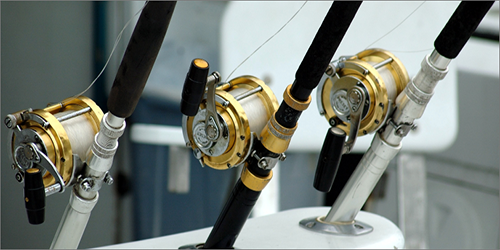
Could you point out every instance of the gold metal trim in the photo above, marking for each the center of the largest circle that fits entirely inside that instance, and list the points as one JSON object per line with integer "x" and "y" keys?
{"x": 275, "y": 137}
{"x": 293, "y": 103}
{"x": 358, "y": 68}
{"x": 396, "y": 67}
{"x": 54, "y": 136}
{"x": 254, "y": 182}
{"x": 236, "y": 120}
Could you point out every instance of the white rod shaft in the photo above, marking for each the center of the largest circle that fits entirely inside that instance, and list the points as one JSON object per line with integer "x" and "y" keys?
{"x": 74, "y": 221}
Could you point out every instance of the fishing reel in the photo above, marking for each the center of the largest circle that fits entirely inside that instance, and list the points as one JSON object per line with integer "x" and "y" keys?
{"x": 49, "y": 146}
{"x": 357, "y": 93}
{"x": 357, "y": 96}
{"x": 222, "y": 120}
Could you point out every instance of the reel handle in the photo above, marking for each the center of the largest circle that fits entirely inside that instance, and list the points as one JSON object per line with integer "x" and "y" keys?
{"x": 194, "y": 87}
{"x": 460, "y": 27}
{"x": 34, "y": 196}
{"x": 329, "y": 159}
{"x": 139, "y": 57}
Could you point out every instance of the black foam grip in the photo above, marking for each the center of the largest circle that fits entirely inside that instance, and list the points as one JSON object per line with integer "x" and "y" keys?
{"x": 329, "y": 159}
{"x": 194, "y": 87}
{"x": 139, "y": 57}
{"x": 34, "y": 196}
{"x": 287, "y": 116}
{"x": 233, "y": 217}
{"x": 460, "y": 27}
{"x": 323, "y": 47}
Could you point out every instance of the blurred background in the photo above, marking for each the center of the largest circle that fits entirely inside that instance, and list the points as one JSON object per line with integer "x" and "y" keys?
{"x": 53, "y": 50}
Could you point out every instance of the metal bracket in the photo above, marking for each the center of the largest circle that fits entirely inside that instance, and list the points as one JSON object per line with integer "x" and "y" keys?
{"x": 266, "y": 162}
{"x": 403, "y": 129}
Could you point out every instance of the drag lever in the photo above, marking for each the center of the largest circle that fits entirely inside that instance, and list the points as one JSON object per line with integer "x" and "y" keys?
{"x": 34, "y": 196}
{"x": 335, "y": 145}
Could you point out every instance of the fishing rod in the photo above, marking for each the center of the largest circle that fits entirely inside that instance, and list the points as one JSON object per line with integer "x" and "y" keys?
{"x": 72, "y": 144}
{"x": 354, "y": 106}
{"x": 270, "y": 142}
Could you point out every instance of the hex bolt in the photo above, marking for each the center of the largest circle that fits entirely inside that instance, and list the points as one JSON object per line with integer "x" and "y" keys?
{"x": 108, "y": 179}
{"x": 263, "y": 163}
{"x": 399, "y": 132}
{"x": 282, "y": 157}
{"x": 85, "y": 185}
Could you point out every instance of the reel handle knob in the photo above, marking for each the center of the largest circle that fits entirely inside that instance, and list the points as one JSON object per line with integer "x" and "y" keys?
{"x": 194, "y": 87}
{"x": 34, "y": 196}
{"x": 329, "y": 159}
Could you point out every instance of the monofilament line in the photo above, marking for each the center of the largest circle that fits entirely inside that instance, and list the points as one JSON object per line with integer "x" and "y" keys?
{"x": 297, "y": 12}
{"x": 396, "y": 26}
{"x": 112, "y": 51}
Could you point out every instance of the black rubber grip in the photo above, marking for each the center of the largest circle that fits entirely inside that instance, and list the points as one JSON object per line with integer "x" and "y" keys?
{"x": 323, "y": 47}
{"x": 194, "y": 87}
{"x": 329, "y": 159}
{"x": 139, "y": 57}
{"x": 233, "y": 217}
{"x": 34, "y": 196}
{"x": 460, "y": 27}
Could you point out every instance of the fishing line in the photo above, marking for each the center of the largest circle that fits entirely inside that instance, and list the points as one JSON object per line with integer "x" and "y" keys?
{"x": 267, "y": 40}
{"x": 396, "y": 25}
{"x": 118, "y": 38}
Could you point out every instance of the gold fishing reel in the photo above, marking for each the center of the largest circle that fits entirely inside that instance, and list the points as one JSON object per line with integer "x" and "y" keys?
{"x": 229, "y": 118}
{"x": 367, "y": 83}
{"x": 54, "y": 139}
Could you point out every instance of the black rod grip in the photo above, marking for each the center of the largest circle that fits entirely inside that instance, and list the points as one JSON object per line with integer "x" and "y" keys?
{"x": 194, "y": 87}
{"x": 323, "y": 47}
{"x": 34, "y": 196}
{"x": 460, "y": 27}
{"x": 329, "y": 159}
{"x": 139, "y": 57}
{"x": 233, "y": 217}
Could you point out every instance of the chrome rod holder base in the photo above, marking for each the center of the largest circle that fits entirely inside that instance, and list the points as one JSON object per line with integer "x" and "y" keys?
{"x": 317, "y": 224}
